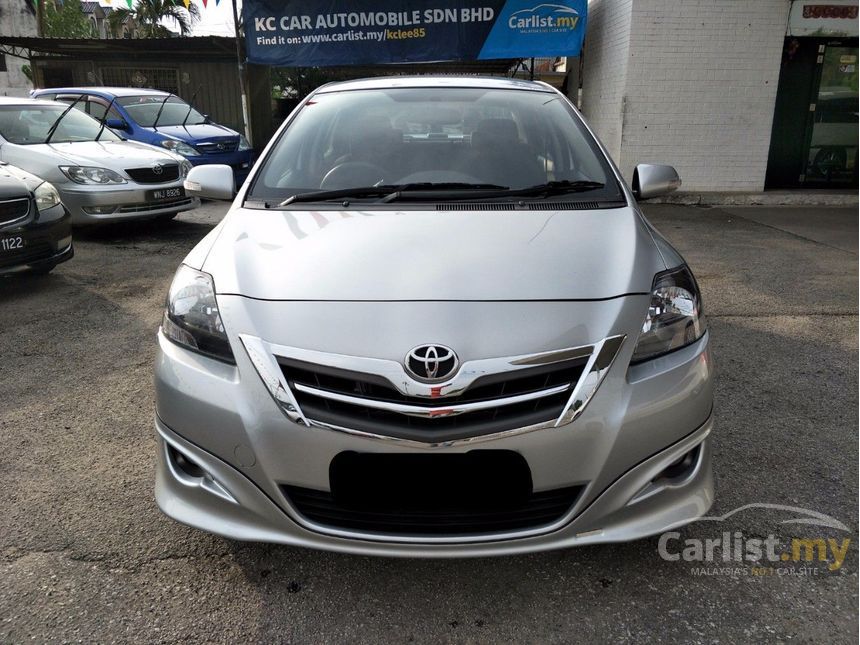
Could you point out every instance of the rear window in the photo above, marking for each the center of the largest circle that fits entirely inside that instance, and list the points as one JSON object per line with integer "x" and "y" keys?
{"x": 504, "y": 137}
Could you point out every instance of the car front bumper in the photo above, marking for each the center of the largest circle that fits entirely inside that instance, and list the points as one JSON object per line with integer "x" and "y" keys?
{"x": 130, "y": 201}
{"x": 48, "y": 242}
{"x": 640, "y": 420}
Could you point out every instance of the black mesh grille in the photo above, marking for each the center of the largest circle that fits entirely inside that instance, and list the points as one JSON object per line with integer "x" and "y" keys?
{"x": 169, "y": 172}
{"x": 442, "y": 428}
{"x": 13, "y": 210}
{"x": 479, "y": 492}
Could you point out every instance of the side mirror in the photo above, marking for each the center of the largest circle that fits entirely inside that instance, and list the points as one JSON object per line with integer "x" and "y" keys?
{"x": 117, "y": 124}
{"x": 207, "y": 118}
{"x": 212, "y": 181}
{"x": 652, "y": 180}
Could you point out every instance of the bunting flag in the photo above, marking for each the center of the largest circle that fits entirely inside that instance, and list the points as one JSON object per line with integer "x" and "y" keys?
{"x": 204, "y": 3}
{"x": 130, "y": 4}
{"x": 186, "y": 3}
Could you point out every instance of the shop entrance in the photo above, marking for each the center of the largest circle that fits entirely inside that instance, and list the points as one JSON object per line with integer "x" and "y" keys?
{"x": 814, "y": 137}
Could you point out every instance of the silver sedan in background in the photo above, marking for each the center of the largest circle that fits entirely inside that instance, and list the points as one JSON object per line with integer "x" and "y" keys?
{"x": 100, "y": 176}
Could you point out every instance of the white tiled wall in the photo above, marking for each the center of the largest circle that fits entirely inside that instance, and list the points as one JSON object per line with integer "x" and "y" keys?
{"x": 605, "y": 69}
{"x": 699, "y": 87}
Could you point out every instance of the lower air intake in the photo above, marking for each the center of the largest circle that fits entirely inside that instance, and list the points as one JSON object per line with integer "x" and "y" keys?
{"x": 479, "y": 492}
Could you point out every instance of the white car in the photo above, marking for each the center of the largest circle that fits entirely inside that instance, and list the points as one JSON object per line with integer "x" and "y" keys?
{"x": 100, "y": 176}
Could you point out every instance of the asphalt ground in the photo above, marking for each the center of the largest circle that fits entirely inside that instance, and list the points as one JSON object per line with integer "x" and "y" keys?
{"x": 86, "y": 556}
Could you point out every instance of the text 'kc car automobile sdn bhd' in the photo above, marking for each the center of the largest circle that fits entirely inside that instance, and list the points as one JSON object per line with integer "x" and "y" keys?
{"x": 434, "y": 323}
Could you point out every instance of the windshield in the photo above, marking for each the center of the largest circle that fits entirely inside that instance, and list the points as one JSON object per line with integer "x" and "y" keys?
{"x": 143, "y": 110}
{"x": 26, "y": 125}
{"x": 508, "y": 138}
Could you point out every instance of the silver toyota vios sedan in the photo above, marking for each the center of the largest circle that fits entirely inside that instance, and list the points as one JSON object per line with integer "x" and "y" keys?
{"x": 100, "y": 177}
{"x": 434, "y": 323}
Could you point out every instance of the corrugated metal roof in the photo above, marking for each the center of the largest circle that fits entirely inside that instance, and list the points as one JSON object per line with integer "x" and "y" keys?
{"x": 225, "y": 47}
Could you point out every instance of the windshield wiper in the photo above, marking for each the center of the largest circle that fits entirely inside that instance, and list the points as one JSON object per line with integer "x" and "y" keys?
{"x": 158, "y": 114}
{"x": 56, "y": 123}
{"x": 390, "y": 192}
{"x": 190, "y": 105}
{"x": 556, "y": 188}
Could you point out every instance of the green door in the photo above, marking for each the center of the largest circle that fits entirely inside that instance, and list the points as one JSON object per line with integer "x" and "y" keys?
{"x": 831, "y": 143}
{"x": 814, "y": 137}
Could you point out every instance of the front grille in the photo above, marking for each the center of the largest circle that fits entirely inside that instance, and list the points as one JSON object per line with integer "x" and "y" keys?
{"x": 211, "y": 147}
{"x": 32, "y": 252}
{"x": 156, "y": 206}
{"x": 478, "y": 492}
{"x": 169, "y": 172}
{"x": 494, "y": 387}
{"x": 13, "y": 210}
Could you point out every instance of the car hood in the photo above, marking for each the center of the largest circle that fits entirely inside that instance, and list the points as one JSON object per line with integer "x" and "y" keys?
{"x": 115, "y": 155}
{"x": 197, "y": 133}
{"x": 428, "y": 255}
{"x": 14, "y": 181}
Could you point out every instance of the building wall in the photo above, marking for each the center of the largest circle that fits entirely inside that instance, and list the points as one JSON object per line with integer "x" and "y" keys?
{"x": 604, "y": 72}
{"x": 699, "y": 89}
{"x": 17, "y": 18}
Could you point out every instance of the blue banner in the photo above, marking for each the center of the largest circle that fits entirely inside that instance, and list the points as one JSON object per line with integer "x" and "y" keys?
{"x": 319, "y": 33}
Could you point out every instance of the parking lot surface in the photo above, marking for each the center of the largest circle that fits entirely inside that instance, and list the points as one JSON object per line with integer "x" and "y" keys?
{"x": 86, "y": 555}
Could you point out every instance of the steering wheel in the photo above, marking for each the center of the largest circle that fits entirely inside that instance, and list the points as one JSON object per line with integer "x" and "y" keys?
{"x": 351, "y": 174}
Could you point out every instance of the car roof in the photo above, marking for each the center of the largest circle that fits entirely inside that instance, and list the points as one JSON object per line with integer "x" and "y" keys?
{"x": 23, "y": 101}
{"x": 108, "y": 92}
{"x": 388, "y": 82}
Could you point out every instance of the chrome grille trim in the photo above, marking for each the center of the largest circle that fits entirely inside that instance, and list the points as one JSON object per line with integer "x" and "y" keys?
{"x": 263, "y": 356}
{"x": 428, "y": 412}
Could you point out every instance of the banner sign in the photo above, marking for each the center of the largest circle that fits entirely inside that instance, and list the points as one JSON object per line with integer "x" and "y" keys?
{"x": 319, "y": 33}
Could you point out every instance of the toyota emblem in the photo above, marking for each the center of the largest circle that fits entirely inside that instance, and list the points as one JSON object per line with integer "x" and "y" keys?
{"x": 158, "y": 169}
{"x": 431, "y": 363}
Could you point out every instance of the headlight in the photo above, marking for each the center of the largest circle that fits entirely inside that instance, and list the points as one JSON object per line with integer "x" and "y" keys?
{"x": 244, "y": 144}
{"x": 179, "y": 147}
{"x": 191, "y": 317}
{"x": 675, "y": 317}
{"x": 46, "y": 196}
{"x": 184, "y": 168}
{"x": 92, "y": 175}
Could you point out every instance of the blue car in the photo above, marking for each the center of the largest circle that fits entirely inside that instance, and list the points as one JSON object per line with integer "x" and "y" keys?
{"x": 161, "y": 119}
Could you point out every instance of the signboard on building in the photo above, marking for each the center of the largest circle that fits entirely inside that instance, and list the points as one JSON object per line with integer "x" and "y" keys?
{"x": 836, "y": 18}
{"x": 319, "y": 33}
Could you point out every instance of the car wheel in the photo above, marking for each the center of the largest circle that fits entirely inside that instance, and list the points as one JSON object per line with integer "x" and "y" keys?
{"x": 830, "y": 160}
